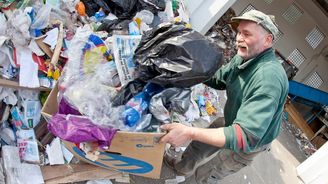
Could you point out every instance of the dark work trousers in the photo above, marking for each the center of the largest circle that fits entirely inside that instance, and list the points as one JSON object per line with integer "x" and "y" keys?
{"x": 210, "y": 164}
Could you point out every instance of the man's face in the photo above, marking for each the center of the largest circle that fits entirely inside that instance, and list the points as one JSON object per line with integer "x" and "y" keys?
{"x": 251, "y": 39}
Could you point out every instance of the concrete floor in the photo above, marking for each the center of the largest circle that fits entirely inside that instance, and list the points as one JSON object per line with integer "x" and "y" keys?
{"x": 277, "y": 166}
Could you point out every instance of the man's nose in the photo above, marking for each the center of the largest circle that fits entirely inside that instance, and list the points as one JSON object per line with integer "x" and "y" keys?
{"x": 239, "y": 38}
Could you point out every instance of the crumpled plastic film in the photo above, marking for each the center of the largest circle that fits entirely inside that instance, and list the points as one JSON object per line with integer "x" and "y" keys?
{"x": 42, "y": 18}
{"x": 71, "y": 72}
{"x": 93, "y": 100}
{"x": 174, "y": 55}
{"x": 88, "y": 80}
{"x": 87, "y": 51}
{"x": 18, "y": 28}
{"x": 170, "y": 100}
{"x": 78, "y": 129}
{"x": 3, "y": 23}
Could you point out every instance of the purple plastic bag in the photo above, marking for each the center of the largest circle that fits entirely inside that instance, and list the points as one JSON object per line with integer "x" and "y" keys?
{"x": 66, "y": 108}
{"x": 78, "y": 129}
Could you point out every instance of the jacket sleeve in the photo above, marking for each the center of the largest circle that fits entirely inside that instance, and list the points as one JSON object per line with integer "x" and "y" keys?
{"x": 218, "y": 80}
{"x": 252, "y": 122}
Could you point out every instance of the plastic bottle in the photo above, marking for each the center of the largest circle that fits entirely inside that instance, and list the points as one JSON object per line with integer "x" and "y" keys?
{"x": 133, "y": 28}
{"x": 138, "y": 105}
{"x": 146, "y": 16}
{"x": 100, "y": 15}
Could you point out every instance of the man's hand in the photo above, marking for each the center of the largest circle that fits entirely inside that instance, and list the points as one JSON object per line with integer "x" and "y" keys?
{"x": 177, "y": 135}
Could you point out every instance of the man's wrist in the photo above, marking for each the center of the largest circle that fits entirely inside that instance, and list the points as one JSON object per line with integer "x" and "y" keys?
{"x": 192, "y": 133}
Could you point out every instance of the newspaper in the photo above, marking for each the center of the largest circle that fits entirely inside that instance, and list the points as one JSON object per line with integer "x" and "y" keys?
{"x": 124, "y": 47}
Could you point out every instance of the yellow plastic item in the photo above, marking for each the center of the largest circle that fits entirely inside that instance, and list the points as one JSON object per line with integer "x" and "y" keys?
{"x": 209, "y": 108}
{"x": 138, "y": 21}
{"x": 56, "y": 74}
{"x": 177, "y": 19}
{"x": 188, "y": 25}
{"x": 50, "y": 73}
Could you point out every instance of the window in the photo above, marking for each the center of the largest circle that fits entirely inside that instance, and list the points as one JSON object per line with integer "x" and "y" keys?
{"x": 314, "y": 80}
{"x": 315, "y": 37}
{"x": 292, "y": 14}
{"x": 296, "y": 57}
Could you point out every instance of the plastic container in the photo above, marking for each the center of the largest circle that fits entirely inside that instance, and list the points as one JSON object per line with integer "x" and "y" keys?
{"x": 138, "y": 105}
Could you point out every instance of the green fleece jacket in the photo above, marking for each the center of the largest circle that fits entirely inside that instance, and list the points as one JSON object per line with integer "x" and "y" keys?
{"x": 256, "y": 91}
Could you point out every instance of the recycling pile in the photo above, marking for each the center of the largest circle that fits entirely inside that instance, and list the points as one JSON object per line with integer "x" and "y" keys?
{"x": 224, "y": 34}
{"x": 127, "y": 65}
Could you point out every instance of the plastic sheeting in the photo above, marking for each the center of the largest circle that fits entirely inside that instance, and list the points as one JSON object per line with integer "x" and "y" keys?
{"x": 174, "y": 55}
{"x": 127, "y": 92}
{"x": 168, "y": 101}
{"x": 80, "y": 129}
{"x": 123, "y": 9}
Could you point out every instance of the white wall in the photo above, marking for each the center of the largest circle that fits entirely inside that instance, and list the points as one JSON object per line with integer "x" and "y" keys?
{"x": 204, "y": 13}
{"x": 314, "y": 169}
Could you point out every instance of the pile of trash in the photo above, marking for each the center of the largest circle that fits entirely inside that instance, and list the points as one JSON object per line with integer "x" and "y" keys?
{"x": 303, "y": 142}
{"x": 155, "y": 59}
{"x": 21, "y": 113}
{"x": 155, "y": 72}
{"x": 128, "y": 65}
{"x": 224, "y": 34}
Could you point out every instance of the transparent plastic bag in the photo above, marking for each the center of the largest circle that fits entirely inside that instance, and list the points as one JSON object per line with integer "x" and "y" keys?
{"x": 92, "y": 99}
{"x": 85, "y": 53}
{"x": 42, "y": 18}
{"x": 3, "y": 23}
{"x": 18, "y": 28}
{"x": 87, "y": 83}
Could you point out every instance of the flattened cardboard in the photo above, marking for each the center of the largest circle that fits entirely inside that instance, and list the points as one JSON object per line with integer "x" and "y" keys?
{"x": 75, "y": 173}
{"x": 134, "y": 153}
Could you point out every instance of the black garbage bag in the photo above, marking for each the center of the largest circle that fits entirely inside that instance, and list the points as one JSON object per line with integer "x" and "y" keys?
{"x": 174, "y": 55}
{"x": 170, "y": 100}
{"x": 128, "y": 91}
{"x": 127, "y": 9}
{"x": 111, "y": 25}
{"x": 152, "y": 5}
{"x": 123, "y": 9}
{"x": 93, "y": 6}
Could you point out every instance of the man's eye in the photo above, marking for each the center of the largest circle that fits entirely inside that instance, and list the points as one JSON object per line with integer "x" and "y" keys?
{"x": 247, "y": 34}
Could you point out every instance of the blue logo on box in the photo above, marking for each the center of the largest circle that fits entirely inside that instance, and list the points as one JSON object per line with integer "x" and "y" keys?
{"x": 141, "y": 166}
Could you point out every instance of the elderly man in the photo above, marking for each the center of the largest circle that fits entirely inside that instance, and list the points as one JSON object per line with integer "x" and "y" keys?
{"x": 257, "y": 87}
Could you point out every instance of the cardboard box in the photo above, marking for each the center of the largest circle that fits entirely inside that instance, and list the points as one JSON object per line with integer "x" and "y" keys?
{"x": 69, "y": 173}
{"x": 134, "y": 153}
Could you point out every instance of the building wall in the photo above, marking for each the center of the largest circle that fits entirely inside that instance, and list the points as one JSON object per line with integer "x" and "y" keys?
{"x": 315, "y": 64}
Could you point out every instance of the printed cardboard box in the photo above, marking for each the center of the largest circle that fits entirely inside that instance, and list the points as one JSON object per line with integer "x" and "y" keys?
{"x": 134, "y": 153}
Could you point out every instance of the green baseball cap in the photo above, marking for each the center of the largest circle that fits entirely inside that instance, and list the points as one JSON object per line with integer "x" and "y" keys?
{"x": 266, "y": 21}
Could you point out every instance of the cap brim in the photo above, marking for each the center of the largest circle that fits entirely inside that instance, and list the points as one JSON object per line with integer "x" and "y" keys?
{"x": 238, "y": 19}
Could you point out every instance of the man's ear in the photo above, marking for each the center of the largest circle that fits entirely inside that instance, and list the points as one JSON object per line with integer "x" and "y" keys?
{"x": 268, "y": 40}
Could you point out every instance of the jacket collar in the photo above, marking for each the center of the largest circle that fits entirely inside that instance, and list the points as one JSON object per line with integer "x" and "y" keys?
{"x": 244, "y": 64}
